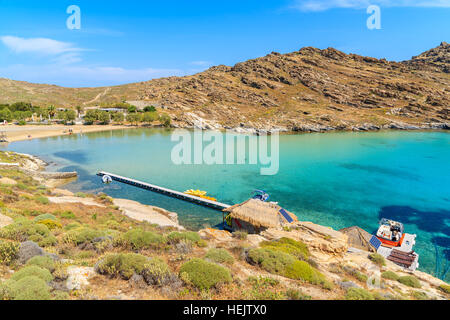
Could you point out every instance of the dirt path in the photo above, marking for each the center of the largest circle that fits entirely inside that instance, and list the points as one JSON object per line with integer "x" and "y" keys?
{"x": 101, "y": 94}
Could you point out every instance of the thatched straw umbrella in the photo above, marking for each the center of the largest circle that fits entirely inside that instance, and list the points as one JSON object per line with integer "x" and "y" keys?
{"x": 255, "y": 216}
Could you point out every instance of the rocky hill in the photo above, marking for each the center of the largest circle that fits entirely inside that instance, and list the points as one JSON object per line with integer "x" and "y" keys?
{"x": 308, "y": 90}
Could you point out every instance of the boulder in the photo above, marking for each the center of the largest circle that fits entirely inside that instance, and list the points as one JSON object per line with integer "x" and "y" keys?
{"x": 5, "y": 221}
{"x": 214, "y": 234}
{"x": 78, "y": 277}
{"x": 28, "y": 250}
{"x": 137, "y": 281}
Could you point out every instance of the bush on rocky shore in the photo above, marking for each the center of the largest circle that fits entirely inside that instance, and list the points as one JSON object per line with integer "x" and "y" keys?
{"x": 203, "y": 274}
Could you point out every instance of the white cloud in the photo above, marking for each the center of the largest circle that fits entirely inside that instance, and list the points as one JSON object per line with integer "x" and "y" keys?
{"x": 83, "y": 76}
{"x": 38, "y": 45}
{"x": 61, "y": 65}
{"x": 201, "y": 63}
{"x": 322, "y": 5}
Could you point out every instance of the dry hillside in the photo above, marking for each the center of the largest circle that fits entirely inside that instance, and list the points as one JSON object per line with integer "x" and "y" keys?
{"x": 310, "y": 89}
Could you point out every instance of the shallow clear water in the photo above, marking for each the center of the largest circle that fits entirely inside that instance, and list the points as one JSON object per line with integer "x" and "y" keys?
{"x": 334, "y": 179}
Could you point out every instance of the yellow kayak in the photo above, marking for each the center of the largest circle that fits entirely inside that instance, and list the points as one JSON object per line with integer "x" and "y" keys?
{"x": 200, "y": 194}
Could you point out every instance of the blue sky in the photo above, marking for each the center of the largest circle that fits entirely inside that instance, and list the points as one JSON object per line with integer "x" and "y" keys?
{"x": 129, "y": 41}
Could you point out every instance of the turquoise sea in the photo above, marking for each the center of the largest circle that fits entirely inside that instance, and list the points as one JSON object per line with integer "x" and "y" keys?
{"x": 334, "y": 179}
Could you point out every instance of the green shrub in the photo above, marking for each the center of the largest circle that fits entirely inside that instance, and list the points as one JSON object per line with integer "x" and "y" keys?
{"x": 80, "y": 195}
{"x": 301, "y": 270}
{"x": 410, "y": 281}
{"x": 176, "y": 237}
{"x": 45, "y": 216}
{"x": 60, "y": 296}
{"x": 68, "y": 215}
{"x": 219, "y": 256}
{"x": 420, "y": 295}
{"x": 241, "y": 235}
{"x": 5, "y": 291}
{"x": 390, "y": 275}
{"x": 358, "y": 294}
{"x": 48, "y": 241}
{"x": 123, "y": 265}
{"x": 378, "y": 259}
{"x": 270, "y": 260}
{"x": 156, "y": 272}
{"x": 8, "y": 252}
{"x": 286, "y": 265}
{"x": 360, "y": 276}
{"x": 51, "y": 224}
{"x": 263, "y": 288}
{"x": 29, "y": 288}
{"x": 72, "y": 226}
{"x": 82, "y": 235}
{"x": 44, "y": 262}
{"x": 42, "y": 199}
{"x": 139, "y": 239}
{"x": 445, "y": 288}
{"x": 23, "y": 229}
{"x": 292, "y": 247}
{"x": 292, "y": 294}
{"x": 34, "y": 271}
{"x": 203, "y": 274}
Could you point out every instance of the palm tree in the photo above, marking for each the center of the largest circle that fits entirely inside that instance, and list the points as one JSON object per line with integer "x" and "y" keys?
{"x": 79, "y": 109}
{"x": 51, "y": 111}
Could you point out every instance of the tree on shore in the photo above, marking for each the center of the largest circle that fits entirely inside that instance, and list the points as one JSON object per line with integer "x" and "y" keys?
{"x": 150, "y": 117}
{"x": 165, "y": 120}
{"x": 118, "y": 117}
{"x": 134, "y": 118}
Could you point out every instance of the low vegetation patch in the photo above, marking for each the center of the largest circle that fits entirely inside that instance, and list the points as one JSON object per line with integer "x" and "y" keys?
{"x": 292, "y": 294}
{"x": 176, "y": 237}
{"x": 27, "y": 288}
{"x": 203, "y": 274}
{"x": 122, "y": 265}
{"x": 378, "y": 259}
{"x": 23, "y": 230}
{"x": 8, "y": 252}
{"x": 390, "y": 275}
{"x": 34, "y": 271}
{"x": 358, "y": 294}
{"x": 420, "y": 295}
{"x": 287, "y": 245}
{"x": 241, "y": 235}
{"x": 445, "y": 288}
{"x": 286, "y": 265}
{"x": 264, "y": 288}
{"x": 82, "y": 235}
{"x": 157, "y": 272}
{"x": 410, "y": 281}
{"x": 44, "y": 262}
{"x": 138, "y": 239}
{"x": 219, "y": 256}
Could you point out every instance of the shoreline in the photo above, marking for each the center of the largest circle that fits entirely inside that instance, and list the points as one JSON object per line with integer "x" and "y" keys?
{"x": 15, "y": 133}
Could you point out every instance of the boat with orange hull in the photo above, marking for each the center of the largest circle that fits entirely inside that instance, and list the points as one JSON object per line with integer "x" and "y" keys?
{"x": 391, "y": 233}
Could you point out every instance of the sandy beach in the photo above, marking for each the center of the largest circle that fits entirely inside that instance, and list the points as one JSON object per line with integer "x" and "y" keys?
{"x": 19, "y": 133}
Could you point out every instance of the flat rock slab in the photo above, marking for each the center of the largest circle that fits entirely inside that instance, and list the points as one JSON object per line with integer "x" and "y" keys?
{"x": 153, "y": 215}
{"x": 5, "y": 221}
{"x": 62, "y": 192}
{"x": 8, "y": 181}
{"x": 78, "y": 277}
{"x": 71, "y": 199}
{"x": 214, "y": 234}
